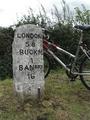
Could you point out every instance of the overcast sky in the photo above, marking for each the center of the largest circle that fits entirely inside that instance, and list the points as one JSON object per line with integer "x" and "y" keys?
{"x": 11, "y": 9}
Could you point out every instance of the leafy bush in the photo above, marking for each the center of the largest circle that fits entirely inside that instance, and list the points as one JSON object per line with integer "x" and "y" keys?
{"x": 60, "y": 27}
{"x": 6, "y": 39}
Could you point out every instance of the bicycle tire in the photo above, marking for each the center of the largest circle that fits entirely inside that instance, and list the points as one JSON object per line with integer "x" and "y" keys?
{"x": 85, "y": 65}
{"x": 47, "y": 65}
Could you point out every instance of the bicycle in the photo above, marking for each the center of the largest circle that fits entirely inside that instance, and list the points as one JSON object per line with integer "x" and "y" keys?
{"x": 79, "y": 64}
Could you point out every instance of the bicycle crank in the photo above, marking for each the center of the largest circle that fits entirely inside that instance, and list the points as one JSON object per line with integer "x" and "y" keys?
{"x": 70, "y": 74}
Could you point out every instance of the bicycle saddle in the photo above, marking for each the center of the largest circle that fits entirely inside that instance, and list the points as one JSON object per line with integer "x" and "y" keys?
{"x": 82, "y": 27}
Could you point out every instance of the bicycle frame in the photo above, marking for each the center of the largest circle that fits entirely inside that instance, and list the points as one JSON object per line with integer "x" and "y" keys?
{"x": 47, "y": 44}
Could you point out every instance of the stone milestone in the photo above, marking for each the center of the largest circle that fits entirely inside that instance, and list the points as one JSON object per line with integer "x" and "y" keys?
{"x": 28, "y": 68}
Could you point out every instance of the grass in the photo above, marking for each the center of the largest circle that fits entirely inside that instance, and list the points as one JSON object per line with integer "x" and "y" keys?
{"x": 63, "y": 100}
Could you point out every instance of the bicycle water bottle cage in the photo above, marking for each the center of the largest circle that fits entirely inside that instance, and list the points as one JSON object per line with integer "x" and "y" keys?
{"x": 83, "y": 27}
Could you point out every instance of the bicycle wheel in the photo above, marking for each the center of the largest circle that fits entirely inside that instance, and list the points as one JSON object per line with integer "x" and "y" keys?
{"x": 47, "y": 65}
{"x": 85, "y": 68}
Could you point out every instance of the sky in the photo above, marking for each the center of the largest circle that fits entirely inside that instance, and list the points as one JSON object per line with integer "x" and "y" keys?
{"x": 11, "y": 10}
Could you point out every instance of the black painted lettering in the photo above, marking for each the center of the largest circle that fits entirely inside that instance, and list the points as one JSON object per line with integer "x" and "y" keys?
{"x": 27, "y": 44}
{"x": 35, "y": 52}
{"x": 35, "y": 35}
{"x": 40, "y": 52}
{"x": 31, "y": 76}
{"x": 21, "y": 51}
{"x": 33, "y": 44}
{"x": 26, "y": 52}
{"x": 30, "y": 67}
{"x": 18, "y": 35}
{"x": 23, "y": 35}
{"x": 30, "y": 51}
{"x": 31, "y": 35}
{"x": 27, "y": 35}
{"x": 26, "y": 67}
{"x": 20, "y": 67}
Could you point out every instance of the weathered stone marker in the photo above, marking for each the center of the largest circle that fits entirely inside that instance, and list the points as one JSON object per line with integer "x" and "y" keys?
{"x": 28, "y": 65}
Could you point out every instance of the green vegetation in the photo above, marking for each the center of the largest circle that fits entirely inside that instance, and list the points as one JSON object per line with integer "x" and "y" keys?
{"x": 6, "y": 39}
{"x": 59, "y": 23}
{"x": 63, "y": 100}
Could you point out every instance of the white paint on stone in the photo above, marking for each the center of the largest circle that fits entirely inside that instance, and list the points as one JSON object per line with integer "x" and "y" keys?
{"x": 28, "y": 68}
